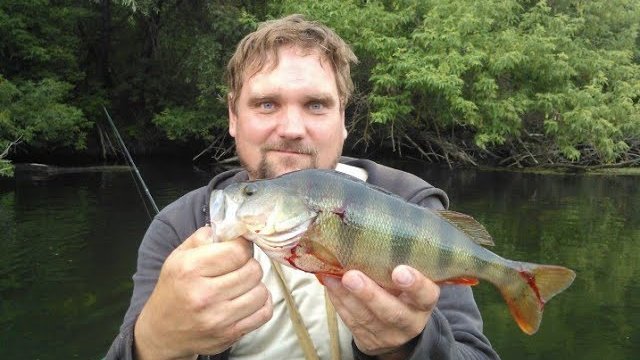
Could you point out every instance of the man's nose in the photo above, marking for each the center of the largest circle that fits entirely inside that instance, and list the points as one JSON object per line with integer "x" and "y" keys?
{"x": 291, "y": 124}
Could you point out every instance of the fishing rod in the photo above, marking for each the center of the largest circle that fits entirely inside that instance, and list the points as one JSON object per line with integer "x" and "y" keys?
{"x": 130, "y": 160}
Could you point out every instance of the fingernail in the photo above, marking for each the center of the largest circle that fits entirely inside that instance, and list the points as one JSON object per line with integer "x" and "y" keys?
{"x": 330, "y": 282}
{"x": 403, "y": 276}
{"x": 353, "y": 282}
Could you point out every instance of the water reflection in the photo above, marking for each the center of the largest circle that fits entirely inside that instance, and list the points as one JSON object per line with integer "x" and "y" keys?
{"x": 67, "y": 253}
{"x": 69, "y": 244}
{"x": 588, "y": 223}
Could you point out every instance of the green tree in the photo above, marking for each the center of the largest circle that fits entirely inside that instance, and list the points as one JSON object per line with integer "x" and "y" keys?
{"x": 559, "y": 78}
{"x": 38, "y": 68}
{"x": 518, "y": 82}
{"x": 178, "y": 81}
{"x": 35, "y": 113}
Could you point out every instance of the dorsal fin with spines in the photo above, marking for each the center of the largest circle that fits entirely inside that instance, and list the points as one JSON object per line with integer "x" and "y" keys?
{"x": 468, "y": 225}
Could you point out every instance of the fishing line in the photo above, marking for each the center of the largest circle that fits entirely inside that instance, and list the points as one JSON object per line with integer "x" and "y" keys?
{"x": 144, "y": 203}
{"x": 140, "y": 181}
{"x": 120, "y": 154}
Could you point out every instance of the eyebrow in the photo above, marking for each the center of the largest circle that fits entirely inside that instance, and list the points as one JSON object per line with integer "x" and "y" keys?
{"x": 323, "y": 98}
{"x": 255, "y": 98}
{"x": 320, "y": 97}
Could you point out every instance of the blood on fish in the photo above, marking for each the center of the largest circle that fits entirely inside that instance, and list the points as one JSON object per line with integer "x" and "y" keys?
{"x": 294, "y": 256}
{"x": 341, "y": 212}
{"x": 530, "y": 279}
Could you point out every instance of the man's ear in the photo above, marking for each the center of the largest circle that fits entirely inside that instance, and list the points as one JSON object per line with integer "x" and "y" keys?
{"x": 232, "y": 115}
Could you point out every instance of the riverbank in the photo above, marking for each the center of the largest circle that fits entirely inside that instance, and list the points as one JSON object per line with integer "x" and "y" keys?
{"x": 634, "y": 171}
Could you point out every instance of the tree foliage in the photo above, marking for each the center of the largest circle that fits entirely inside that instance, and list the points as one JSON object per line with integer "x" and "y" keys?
{"x": 38, "y": 69}
{"x": 517, "y": 82}
{"x": 500, "y": 71}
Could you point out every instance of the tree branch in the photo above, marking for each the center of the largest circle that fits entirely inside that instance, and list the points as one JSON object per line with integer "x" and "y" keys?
{"x": 11, "y": 144}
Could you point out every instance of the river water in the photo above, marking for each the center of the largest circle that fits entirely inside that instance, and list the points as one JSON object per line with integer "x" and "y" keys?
{"x": 68, "y": 246}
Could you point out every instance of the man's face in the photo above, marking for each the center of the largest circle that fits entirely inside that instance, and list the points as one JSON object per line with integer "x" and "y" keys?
{"x": 289, "y": 118}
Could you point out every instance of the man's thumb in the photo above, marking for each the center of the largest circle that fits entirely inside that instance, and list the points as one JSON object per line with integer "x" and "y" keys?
{"x": 202, "y": 236}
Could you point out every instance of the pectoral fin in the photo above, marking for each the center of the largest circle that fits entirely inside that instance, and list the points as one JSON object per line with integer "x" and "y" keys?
{"x": 469, "y": 226}
{"x": 312, "y": 257}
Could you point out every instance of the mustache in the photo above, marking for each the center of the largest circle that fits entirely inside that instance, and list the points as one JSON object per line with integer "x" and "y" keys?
{"x": 290, "y": 146}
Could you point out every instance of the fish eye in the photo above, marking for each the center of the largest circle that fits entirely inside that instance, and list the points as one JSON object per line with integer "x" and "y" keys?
{"x": 250, "y": 189}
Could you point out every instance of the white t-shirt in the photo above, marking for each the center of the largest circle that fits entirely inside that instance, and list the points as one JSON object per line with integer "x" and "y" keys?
{"x": 277, "y": 338}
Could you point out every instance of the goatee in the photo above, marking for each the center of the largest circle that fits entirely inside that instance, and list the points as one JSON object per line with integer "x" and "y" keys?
{"x": 268, "y": 168}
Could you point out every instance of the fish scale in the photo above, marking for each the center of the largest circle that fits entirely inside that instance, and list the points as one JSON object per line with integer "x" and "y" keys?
{"x": 327, "y": 223}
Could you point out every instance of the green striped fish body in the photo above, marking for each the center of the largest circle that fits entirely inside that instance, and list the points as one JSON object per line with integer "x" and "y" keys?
{"x": 371, "y": 230}
{"x": 327, "y": 223}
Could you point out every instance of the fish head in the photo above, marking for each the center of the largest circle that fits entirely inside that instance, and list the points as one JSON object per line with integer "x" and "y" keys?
{"x": 222, "y": 215}
{"x": 269, "y": 214}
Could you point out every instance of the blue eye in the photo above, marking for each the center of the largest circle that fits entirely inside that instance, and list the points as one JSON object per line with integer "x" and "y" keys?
{"x": 267, "y": 105}
{"x": 316, "y": 106}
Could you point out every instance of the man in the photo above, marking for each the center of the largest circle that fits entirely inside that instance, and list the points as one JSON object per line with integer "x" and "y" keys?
{"x": 289, "y": 83}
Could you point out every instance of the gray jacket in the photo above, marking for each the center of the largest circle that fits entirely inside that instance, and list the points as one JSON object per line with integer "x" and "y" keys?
{"x": 453, "y": 332}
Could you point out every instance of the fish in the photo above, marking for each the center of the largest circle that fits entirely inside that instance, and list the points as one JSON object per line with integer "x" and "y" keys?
{"x": 327, "y": 223}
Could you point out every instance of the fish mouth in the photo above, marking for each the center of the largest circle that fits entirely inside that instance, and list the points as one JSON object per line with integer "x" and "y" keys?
{"x": 221, "y": 217}
{"x": 283, "y": 239}
{"x": 264, "y": 229}
{"x": 216, "y": 206}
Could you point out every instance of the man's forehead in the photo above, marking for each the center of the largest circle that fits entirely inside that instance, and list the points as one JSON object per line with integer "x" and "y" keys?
{"x": 270, "y": 61}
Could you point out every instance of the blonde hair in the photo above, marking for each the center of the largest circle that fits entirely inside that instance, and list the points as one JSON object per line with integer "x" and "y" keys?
{"x": 260, "y": 48}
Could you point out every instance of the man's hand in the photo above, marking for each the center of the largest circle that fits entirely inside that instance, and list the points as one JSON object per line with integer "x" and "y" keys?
{"x": 208, "y": 295}
{"x": 383, "y": 324}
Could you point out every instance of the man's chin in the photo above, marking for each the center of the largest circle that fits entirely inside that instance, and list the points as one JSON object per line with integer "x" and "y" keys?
{"x": 281, "y": 170}
{"x": 271, "y": 169}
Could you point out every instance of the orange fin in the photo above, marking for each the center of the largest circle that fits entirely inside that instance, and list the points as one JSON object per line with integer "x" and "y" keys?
{"x": 312, "y": 257}
{"x": 529, "y": 292}
{"x": 468, "y": 225}
{"x": 323, "y": 254}
{"x": 460, "y": 281}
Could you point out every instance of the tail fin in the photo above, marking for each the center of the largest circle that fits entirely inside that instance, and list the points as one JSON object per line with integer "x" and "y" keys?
{"x": 530, "y": 288}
